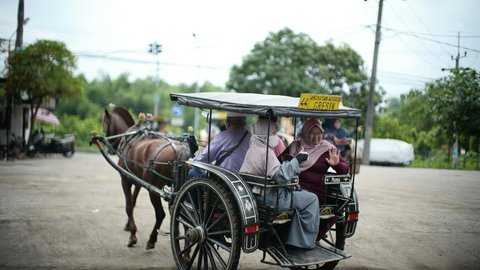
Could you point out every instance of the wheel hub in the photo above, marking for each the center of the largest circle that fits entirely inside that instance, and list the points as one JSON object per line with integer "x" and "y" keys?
{"x": 196, "y": 234}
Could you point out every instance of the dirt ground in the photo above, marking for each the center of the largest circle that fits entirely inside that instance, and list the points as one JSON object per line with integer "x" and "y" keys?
{"x": 68, "y": 213}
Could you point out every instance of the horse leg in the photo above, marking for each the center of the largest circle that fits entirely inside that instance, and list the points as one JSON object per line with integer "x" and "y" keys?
{"x": 129, "y": 204}
{"x": 136, "y": 190}
{"x": 159, "y": 216}
{"x": 186, "y": 255}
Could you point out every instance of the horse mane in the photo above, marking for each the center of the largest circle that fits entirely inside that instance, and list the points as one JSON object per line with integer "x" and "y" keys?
{"x": 125, "y": 115}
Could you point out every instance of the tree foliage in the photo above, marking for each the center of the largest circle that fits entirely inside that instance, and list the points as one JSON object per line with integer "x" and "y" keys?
{"x": 429, "y": 118}
{"x": 42, "y": 70}
{"x": 287, "y": 63}
{"x": 455, "y": 102}
{"x": 137, "y": 96}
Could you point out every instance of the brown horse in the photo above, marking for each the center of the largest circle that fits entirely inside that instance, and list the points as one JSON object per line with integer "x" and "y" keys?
{"x": 148, "y": 157}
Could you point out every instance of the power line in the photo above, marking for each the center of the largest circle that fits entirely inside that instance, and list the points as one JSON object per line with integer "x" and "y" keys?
{"x": 137, "y": 61}
{"x": 352, "y": 32}
{"x": 408, "y": 33}
{"x": 414, "y": 52}
{"x": 423, "y": 44}
{"x": 404, "y": 75}
{"x": 418, "y": 18}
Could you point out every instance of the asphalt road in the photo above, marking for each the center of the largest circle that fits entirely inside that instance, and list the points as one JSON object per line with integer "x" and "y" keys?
{"x": 68, "y": 213}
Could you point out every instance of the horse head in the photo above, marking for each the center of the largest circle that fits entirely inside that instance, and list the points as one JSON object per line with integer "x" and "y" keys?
{"x": 116, "y": 122}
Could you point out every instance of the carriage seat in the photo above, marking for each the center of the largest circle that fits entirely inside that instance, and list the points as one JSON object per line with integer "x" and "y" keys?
{"x": 267, "y": 182}
{"x": 269, "y": 213}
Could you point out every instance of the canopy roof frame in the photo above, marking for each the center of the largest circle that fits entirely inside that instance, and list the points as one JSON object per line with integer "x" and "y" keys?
{"x": 259, "y": 104}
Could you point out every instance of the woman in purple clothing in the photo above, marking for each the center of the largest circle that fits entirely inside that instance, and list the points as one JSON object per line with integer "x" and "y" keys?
{"x": 322, "y": 156}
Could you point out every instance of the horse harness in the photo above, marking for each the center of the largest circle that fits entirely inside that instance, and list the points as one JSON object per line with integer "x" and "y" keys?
{"x": 129, "y": 141}
{"x": 115, "y": 140}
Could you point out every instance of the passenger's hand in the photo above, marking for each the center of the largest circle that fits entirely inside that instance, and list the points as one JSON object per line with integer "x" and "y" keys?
{"x": 334, "y": 157}
{"x": 301, "y": 157}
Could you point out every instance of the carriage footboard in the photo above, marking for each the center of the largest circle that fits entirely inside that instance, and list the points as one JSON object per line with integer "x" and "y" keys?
{"x": 305, "y": 258}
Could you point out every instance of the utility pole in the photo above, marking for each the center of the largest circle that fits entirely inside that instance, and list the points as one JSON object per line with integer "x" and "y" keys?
{"x": 455, "y": 134}
{"x": 20, "y": 23}
{"x": 156, "y": 49}
{"x": 371, "y": 93}
{"x": 18, "y": 44}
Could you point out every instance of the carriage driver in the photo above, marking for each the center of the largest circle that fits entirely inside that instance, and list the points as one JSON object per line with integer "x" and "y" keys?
{"x": 228, "y": 148}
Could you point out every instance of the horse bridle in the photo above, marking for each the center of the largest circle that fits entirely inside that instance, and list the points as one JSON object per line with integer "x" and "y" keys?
{"x": 115, "y": 141}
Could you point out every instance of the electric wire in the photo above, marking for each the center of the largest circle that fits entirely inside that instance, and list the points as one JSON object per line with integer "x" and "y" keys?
{"x": 407, "y": 27}
{"x": 139, "y": 61}
{"x": 409, "y": 33}
{"x": 421, "y": 22}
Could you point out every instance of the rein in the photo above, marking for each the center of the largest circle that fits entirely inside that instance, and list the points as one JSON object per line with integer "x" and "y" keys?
{"x": 121, "y": 144}
{"x": 139, "y": 135}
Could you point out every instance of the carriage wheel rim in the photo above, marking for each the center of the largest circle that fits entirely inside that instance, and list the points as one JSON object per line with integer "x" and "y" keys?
{"x": 209, "y": 229}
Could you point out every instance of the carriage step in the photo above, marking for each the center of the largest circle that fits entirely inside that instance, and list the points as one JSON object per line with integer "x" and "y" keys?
{"x": 306, "y": 257}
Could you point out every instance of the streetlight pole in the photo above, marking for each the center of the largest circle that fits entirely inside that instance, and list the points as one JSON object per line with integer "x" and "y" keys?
{"x": 156, "y": 49}
{"x": 197, "y": 88}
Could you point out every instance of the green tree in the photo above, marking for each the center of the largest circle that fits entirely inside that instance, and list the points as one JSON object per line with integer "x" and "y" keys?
{"x": 43, "y": 70}
{"x": 287, "y": 63}
{"x": 454, "y": 103}
{"x": 413, "y": 110}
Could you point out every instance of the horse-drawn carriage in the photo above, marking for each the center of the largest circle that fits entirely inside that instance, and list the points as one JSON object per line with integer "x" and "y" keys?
{"x": 216, "y": 216}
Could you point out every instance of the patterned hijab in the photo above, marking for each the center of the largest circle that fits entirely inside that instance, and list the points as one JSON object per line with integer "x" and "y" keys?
{"x": 314, "y": 151}
{"x": 255, "y": 158}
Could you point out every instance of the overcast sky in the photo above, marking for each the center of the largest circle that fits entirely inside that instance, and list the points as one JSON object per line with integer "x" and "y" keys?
{"x": 112, "y": 36}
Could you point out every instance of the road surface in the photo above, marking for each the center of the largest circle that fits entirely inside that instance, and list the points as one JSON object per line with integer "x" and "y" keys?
{"x": 68, "y": 213}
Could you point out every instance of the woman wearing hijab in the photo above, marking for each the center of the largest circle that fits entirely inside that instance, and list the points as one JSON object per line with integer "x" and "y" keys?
{"x": 276, "y": 144}
{"x": 305, "y": 220}
{"x": 322, "y": 156}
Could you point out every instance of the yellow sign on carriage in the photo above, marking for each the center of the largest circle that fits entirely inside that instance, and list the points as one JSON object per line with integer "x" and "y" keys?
{"x": 319, "y": 102}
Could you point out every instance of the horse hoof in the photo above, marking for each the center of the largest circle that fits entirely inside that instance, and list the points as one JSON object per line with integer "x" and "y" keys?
{"x": 132, "y": 242}
{"x": 150, "y": 245}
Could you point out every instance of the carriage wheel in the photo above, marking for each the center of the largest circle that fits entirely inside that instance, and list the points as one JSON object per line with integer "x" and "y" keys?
{"x": 205, "y": 226}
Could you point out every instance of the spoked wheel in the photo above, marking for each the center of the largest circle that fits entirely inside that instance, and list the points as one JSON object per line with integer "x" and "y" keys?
{"x": 205, "y": 226}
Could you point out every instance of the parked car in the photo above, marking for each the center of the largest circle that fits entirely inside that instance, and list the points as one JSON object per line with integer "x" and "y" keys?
{"x": 388, "y": 152}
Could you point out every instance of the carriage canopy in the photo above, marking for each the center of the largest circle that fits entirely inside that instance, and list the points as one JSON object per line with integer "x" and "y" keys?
{"x": 258, "y": 104}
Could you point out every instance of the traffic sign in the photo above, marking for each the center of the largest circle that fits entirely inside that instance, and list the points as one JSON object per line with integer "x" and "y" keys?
{"x": 177, "y": 110}
{"x": 319, "y": 102}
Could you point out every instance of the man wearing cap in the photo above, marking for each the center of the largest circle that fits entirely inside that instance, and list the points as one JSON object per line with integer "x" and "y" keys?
{"x": 228, "y": 148}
